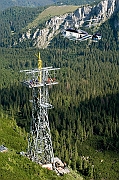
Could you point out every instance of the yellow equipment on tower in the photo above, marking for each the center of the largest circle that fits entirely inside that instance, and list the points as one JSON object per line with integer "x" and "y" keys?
{"x": 39, "y": 68}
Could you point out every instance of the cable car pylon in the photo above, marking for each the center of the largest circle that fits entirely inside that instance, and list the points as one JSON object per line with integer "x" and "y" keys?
{"x": 40, "y": 147}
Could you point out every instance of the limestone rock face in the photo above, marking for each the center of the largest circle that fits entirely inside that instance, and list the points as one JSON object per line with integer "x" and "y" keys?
{"x": 84, "y": 16}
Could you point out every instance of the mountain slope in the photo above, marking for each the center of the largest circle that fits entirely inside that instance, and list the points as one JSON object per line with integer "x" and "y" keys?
{"x": 85, "y": 119}
{"x": 82, "y": 126}
{"x": 35, "y": 27}
{"x": 35, "y": 3}
{"x": 18, "y": 19}
{"x": 25, "y": 3}
{"x": 15, "y": 166}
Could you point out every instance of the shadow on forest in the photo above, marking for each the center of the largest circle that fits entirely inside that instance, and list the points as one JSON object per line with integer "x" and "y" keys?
{"x": 15, "y": 103}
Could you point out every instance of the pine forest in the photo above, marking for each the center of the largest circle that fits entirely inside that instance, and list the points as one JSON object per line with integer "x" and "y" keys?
{"x": 85, "y": 119}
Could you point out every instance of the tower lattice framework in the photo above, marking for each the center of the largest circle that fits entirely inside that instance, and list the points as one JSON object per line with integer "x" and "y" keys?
{"x": 40, "y": 147}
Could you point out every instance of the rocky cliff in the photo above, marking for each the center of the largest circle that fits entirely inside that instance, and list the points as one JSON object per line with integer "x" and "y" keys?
{"x": 84, "y": 16}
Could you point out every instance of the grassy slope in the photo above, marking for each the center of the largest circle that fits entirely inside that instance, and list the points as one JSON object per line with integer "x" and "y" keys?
{"x": 12, "y": 164}
{"x": 50, "y": 12}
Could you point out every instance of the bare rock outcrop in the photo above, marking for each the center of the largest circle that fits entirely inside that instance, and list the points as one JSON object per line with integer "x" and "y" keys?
{"x": 83, "y": 16}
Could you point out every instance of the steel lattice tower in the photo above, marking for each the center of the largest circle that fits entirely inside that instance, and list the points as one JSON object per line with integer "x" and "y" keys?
{"x": 40, "y": 147}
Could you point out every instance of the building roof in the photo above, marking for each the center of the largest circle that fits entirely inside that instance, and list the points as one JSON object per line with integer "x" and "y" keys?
{"x": 72, "y": 30}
